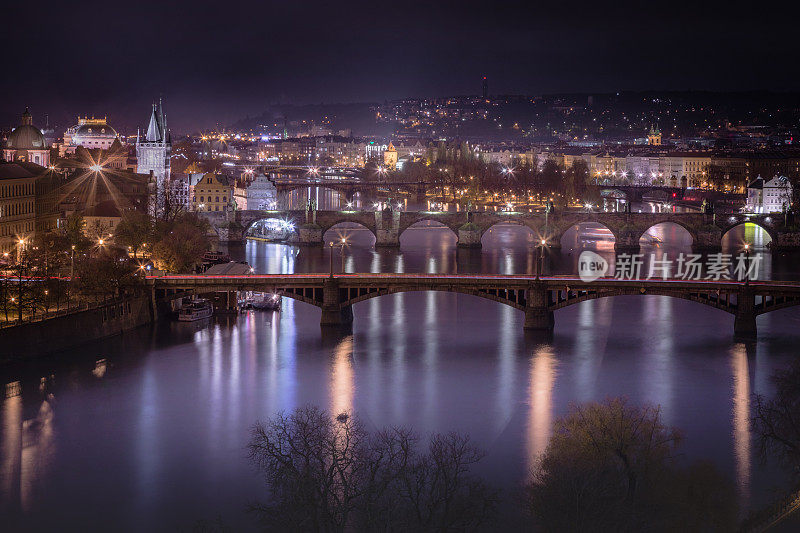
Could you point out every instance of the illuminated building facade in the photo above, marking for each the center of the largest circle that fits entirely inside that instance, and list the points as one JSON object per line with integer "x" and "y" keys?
{"x": 213, "y": 193}
{"x": 90, "y": 133}
{"x": 257, "y": 193}
{"x": 654, "y": 137}
{"x": 390, "y": 157}
{"x": 17, "y": 204}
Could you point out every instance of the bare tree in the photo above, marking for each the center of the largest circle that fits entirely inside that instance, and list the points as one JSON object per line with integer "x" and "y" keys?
{"x": 777, "y": 421}
{"x": 330, "y": 474}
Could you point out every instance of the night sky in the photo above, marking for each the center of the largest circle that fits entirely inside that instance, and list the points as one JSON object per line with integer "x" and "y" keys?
{"x": 215, "y": 62}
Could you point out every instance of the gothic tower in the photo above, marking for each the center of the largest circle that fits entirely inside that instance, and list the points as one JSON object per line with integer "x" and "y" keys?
{"x": 152, "y": 155}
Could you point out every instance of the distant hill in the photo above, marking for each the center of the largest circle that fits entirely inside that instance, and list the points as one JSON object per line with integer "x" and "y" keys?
{"x": 356, "y": 117}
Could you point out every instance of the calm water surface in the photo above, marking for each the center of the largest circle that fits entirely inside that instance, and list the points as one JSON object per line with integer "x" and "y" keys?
{"x": 147, "y": 431}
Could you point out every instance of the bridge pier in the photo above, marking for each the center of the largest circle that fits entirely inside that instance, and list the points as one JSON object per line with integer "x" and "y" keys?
{"x": 387, "y": 238}
{"x": 744, "y": 323}
{"x": 308, "y": 235}
{"x": 707, "y": 240}
{"x": 469, "y": 236}
{"x": 627, "y": 242}
{"x": 537, "y": 314}
{"x": 334, "y": 314}
{"x": 387, "y": 228}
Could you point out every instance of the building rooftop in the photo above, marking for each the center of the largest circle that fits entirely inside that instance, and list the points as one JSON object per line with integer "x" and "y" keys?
{"x": 19, "y": 170}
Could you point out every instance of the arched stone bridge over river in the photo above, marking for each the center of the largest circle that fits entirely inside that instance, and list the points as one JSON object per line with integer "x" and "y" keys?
{"x": 387, "y": 226}
{"x": 538, "y": 298}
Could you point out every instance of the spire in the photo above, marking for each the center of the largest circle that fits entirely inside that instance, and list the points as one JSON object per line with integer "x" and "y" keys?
{"x": 154, "y": 128}
{"x": 26, "y": 118}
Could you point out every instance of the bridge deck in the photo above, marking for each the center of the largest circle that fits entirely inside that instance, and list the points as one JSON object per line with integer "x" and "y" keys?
{"x": 538, "y": 298}
{"x": 434, "y": 279}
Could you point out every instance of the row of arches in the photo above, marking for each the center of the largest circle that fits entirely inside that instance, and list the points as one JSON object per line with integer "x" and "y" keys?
{"x": 428, "y": 233}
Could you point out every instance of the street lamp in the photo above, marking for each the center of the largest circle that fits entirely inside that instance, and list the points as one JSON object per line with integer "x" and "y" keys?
{"x": 20, "y": 249}
{"x": 544, "y": 243}
{"x": 331, "y": 257}
{"x": 747, "y": 263}
{"x": 341, "y": 250}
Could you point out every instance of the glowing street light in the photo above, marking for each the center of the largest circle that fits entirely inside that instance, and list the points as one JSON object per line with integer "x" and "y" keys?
{"x": 342, "y": 244}
{"x": 540, "y": 270}
{"x": 747, "y": 262}
{"x": 96, "y": 168}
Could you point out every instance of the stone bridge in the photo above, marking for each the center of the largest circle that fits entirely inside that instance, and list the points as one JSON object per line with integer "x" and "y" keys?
{"x": 537, "y": 297}
{"x": 387, "y": 226}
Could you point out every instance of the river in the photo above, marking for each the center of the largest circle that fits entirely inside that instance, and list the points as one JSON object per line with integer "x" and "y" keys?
{"x": 147, "y": 431}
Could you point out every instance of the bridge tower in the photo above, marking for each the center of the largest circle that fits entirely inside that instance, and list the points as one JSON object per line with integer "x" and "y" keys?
{"x": 153, "y": 155}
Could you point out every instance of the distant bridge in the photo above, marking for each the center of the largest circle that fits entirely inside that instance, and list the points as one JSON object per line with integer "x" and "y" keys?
{"x": 663, "y": 193}
{"x": 387, "y": 226}
{"x": 349, "y": 186}
{"x": 307, "y": 170}
{"x": 538, "y": 298}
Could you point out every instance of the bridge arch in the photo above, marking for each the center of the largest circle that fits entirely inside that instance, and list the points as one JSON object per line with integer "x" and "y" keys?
{"x": 741, "y": 232}
{"x": 613, "y": 194}
{"x": 684, "y": 235}
{"x": 451, "y": 234}
{"x": 510, "y": 297}
{"x": 350, "y": 230}
{"x": 563, "y": 299}
{"x": 588, "y": 233}
{"x": 533, "y": 235}
{"x": 270, "y": 226}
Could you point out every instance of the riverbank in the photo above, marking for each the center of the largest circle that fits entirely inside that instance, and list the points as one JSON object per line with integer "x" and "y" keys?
{"x": 62, "y": 332}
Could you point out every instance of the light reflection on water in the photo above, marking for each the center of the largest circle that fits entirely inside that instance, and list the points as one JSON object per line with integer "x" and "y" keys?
{"x": 158, "y": 437}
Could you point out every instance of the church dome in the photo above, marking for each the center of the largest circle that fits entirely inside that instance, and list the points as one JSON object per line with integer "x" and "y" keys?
{"x": 26, "y": 137}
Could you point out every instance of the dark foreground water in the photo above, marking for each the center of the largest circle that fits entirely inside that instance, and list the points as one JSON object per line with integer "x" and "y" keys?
{"x": 147, "y": 431}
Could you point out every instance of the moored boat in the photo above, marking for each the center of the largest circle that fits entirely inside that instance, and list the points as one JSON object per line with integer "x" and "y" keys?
{"x": 196, "y": 310}
{"x": 267, "y": 302}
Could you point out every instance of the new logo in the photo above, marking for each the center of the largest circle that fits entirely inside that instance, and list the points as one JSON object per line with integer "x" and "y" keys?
{"x": 591, "y": 266}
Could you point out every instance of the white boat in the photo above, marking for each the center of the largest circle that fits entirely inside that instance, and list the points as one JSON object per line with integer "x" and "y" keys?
{"x": 196, "y": 310}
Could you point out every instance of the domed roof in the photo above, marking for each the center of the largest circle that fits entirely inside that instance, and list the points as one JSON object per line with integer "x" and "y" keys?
{"x": 96, "y": 130}
{"x": 26, "y": 137}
